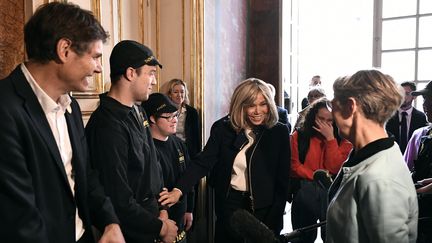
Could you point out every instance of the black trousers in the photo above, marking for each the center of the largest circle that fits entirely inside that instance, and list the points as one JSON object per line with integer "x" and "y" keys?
{"x": 424, "y": 234}
{"x": 271, "y": 216}
{"x": 309, "y": 205}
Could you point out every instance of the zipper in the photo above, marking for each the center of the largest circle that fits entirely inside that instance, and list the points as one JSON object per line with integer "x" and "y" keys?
{"x": 229, "y": 185}
{"x": 249, "y": 174}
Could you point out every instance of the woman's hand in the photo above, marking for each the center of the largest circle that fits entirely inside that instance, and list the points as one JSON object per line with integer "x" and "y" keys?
{"x": 170, "y": 198}
{"x": 187, "y": 220}
{"x": 325, "y": 128}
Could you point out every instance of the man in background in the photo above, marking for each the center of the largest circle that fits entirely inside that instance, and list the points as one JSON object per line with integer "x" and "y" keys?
{"x": 315, "y": 81}
{"x": 407, "y": 119}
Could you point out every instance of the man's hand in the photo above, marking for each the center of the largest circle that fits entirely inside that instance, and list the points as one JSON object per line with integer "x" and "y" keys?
{"x": 163, "y": 215}
{"x": 426, "y": 186}
{"x": 187, "y": 220}
{"x": 168, "y": 231}
{"x": 112, "y": 234}
{"x": 170, "y": 198}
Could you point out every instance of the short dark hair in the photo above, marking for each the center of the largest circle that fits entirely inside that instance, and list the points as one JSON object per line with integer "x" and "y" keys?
{"x": 54, "y": 21}
{"x": 117, "y": 77}
{"x": 412, "y": 85}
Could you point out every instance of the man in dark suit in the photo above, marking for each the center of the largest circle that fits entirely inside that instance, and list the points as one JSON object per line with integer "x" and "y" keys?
{"x": 402, "y": 125}
{"x": 47, "y": 190}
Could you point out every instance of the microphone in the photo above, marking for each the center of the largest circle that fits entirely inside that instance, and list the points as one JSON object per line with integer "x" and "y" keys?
{"x": 285, "y": 238}
{"x": 323, "y": 178}
{"x": 250, "y": 228}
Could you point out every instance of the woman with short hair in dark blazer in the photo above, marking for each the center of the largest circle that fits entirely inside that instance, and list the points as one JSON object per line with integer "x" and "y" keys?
{"x": 188, "y": 127}
{"x": 248, "y": 155}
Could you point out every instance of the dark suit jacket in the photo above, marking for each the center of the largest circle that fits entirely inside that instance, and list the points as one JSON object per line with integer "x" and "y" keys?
{"x": 192, "y": 131}
{"x": 36, "y": 201}
{"x": 418, "y": 119}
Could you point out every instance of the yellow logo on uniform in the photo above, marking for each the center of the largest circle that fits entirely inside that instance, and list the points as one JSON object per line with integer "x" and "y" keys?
{"x": 181, "y": 157}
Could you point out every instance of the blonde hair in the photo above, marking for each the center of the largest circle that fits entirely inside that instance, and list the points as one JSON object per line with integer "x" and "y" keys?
{"x": 272, "y": 90}
{"x": 174, "y": 82}
{"x": 244, "y": 95}
{"x": 376, "y": 93}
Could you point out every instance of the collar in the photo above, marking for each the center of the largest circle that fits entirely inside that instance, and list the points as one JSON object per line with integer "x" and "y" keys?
{"x": 47, "y": 103}
{"x": 409, "y": 111}
{"x": 117, "y": 109}
{"x": 120, "y": 111}
{"x": 368, "y": 150}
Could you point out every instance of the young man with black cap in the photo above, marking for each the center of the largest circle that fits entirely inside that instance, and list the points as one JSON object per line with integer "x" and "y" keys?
{"x": 174, "y": 158}
{"x": 122, "y": 149}
{"x": 417, "y": 155}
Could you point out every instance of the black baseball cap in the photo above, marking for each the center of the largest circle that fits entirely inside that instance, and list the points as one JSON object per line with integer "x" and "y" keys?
{"x": 158, "y": 103}
{"x": 426, "y": 91}
{"x": 129, "y": 53}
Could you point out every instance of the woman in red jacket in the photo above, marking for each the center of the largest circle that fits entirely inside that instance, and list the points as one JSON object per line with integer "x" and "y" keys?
{"x": 314, "y": 145}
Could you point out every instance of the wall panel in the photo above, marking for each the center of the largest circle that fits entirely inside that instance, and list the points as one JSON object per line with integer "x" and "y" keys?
{"x": 11, "y": 35}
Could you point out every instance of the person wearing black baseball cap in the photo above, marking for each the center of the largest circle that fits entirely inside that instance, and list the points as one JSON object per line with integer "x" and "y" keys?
{"x": 173, "y": 154}
{"x": 158, "y": 104}
{"x": 427, "y": 96}
{"x": 129, "y": 53}
{"x": 122, "y": 148}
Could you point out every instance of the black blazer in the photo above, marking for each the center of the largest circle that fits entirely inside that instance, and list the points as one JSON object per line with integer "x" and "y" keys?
{"x": 418, "y": 119}
{"x": 192, "y": 131}
{"x": 36, "y": 202}
{"x": 270, "y": 163}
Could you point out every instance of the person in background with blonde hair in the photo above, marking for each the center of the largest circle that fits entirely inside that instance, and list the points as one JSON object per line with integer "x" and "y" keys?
{"x": 248, "y": 155}
{"x": 373, "y": 198}
{"x": 188, "y": 126}
{"x": 188, "y": 130}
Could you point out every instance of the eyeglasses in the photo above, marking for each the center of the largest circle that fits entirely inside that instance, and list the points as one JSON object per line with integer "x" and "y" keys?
{"x": 171, "y": 118}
